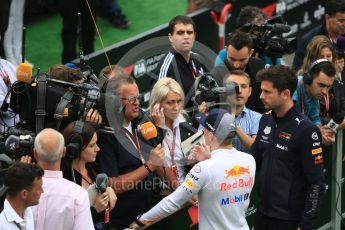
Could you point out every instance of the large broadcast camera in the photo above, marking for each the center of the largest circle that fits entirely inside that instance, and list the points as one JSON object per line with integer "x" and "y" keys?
{"x": 207, "y": 90}
{"x": 46, "y": 102}
{"x": 268, "y": 37}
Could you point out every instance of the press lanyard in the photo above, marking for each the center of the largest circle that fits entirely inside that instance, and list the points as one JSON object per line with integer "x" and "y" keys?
{"x": 326, "y": 99}
{"x": 136, "y": 145}
{"x": 172, "y": 147}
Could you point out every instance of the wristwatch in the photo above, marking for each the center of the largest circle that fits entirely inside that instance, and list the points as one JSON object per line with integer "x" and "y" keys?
{"x": 138, "y": 222}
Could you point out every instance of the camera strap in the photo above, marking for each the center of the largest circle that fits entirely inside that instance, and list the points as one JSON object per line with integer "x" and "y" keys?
{"x": 60, "y": 108}
{"x": 41, "y": 102}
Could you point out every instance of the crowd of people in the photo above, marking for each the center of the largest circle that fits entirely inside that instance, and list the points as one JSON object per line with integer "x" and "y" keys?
{"x": 265, "y": 134}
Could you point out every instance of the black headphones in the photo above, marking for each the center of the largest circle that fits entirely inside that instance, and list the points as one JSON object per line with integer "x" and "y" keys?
{"x": 307, "y": 77}
{"x": 75, "y": 141}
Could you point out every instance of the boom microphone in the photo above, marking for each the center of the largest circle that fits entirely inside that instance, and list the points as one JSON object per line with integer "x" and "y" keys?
{"x": 334, "y": 123}
{"x": 149, "y": 132}
{"x": 102, "y": 182}
{"x": 24, "y": 72}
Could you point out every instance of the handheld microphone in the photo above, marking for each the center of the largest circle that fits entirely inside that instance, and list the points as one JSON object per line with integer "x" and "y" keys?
{"x": 102, "y": 182}
{"x": 334, "y": 123}
{"x": 149, "y": 132}
{"x": 24, "y": 72}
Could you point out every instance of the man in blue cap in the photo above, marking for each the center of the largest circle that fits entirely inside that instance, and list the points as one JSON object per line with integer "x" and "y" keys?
{"x": 223, "y": 182}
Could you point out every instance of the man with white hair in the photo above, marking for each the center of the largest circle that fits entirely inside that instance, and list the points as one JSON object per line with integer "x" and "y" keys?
{"x": 64, "y": 204}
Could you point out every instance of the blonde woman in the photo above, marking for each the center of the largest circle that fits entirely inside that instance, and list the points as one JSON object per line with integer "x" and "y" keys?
{"x": 166, "y": 109}
{"x": 320, "y": 47}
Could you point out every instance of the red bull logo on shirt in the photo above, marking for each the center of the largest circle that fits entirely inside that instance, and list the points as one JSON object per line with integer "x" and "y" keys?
{"x": 238, "y": 183}
{"x": 236, "y": 171}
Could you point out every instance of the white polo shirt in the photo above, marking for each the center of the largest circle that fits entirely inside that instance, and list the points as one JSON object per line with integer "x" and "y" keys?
{"x": 10, "y": 220}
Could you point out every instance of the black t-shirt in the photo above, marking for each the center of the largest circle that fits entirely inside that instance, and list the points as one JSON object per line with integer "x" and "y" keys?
{"x": 252, "y": 68}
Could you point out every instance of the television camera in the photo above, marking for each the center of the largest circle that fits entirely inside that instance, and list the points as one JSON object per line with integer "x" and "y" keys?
{"x": 47, "y": 102}
{"x": 207, "y": 90}
{"x": 268, "y": 37}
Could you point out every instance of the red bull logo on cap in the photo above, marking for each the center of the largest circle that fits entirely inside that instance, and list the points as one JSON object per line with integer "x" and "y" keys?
{"x": 236, "y": 171}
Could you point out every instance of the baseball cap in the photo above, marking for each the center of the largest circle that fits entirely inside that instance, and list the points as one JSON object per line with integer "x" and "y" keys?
{"x": 220, "y": 122}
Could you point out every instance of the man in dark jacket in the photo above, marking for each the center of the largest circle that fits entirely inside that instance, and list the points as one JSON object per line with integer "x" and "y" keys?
{"x": 130, "y": 162}
{"x": 239, "y": 48}
{"x": 333, "y": 26}
{"x": 289, "y": 157}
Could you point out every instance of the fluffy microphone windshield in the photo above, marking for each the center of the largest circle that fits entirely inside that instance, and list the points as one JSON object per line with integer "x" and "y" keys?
{"x": 24, "y": 72}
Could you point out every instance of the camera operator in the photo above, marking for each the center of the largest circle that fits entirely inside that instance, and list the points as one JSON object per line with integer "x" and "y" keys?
{"x": 332, "y": 26}
{"x": 239, "y": 51}
{"x": 252, "y": 15}
{"x": 68, "y": 74}
{"x": 24, "y": 188}
{"x": 65, "y": 73}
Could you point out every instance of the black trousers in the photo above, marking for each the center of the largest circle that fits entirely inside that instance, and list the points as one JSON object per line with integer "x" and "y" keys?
{"x": 69, "y": 11}
{"x": 264, "y": 222}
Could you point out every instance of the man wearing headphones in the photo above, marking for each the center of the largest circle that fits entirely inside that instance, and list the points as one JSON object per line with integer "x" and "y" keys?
{"x": 311, "y": 86}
